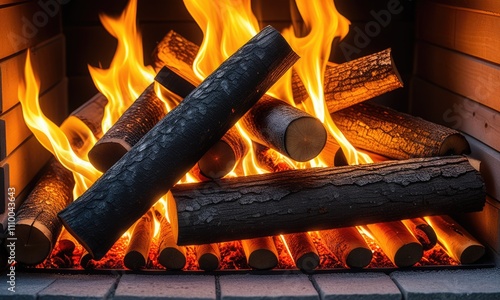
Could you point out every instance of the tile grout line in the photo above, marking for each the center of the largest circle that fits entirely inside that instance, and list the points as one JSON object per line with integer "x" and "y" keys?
{"x": 315, "y": 285}
{"x": 217, "y": 288}
{"x": 112, "y": 290}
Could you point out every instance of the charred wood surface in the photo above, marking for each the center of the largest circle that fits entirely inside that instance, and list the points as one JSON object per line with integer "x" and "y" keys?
{"x": 37, "y": 225}
{"x": 397, "y": 135}
{"x": 354, "y": 81}
{"x": 324, "y": 198}
{"x": 284, "y": 128}
{"x": 137, "y": 120}
{"x": 131, "y": 186}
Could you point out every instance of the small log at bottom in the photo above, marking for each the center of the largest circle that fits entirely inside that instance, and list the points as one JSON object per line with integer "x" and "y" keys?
{"x": 459, "y": 243}
{"x": 424, "y": 233}
{"x": 208, "y": 256}
{"x": 261, "y": 253}
{"x": 37, "y": 226}
{"x": 348, "y": 245}
{"x": 137, "y": 253}
{"x": 303, "y": 251}
{"x": 402, "y": 248}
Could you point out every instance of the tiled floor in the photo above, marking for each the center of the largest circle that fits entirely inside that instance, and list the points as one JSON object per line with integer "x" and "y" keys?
{"x": 449, "y": 284}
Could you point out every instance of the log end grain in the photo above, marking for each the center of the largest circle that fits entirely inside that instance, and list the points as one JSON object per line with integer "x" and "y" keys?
{"x": 305, "y": 138}
{"x": 472, "y": 254}
{"x": 263, "y": 259}
{"x": 308, "y": 261}
{"x": 34, "y": 244}
{"x": 105, "y": 154}
{"x": 208, "y": 262}
{"x": 134, "y": 260}
{"x": 218, "y": 161}
{"x": 454, "y": 144}
{"x": 359, "y": 258}
{"x": 408, "y": 255}
{"x": 172, "y": 258}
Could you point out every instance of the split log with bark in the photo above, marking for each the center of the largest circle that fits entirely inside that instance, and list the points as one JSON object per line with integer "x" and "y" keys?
{"x": 261, "y": 253}
{"x": 402, "y": 248}
{"x": 137, "y": 253}
{"x": 397, "y": 135}
{"x": 348, "y": 245}
{"x": 459, "y": 243}
{"x": 424, "y": 233}
{"x": 132, "y": 185}
{"x": 323, "y": 198}
{"x": 303, "y": 251}
{"x": 37, "y": 226}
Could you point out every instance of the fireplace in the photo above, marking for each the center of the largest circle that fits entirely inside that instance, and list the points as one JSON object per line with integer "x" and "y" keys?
{"x": 461, "y": 71}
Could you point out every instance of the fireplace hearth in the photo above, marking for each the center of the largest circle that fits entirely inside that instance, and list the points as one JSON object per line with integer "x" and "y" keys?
{"x": 451, "y": 82}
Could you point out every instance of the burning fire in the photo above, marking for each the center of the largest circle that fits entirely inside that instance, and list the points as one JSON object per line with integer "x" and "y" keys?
{"x": 226, "y": 25}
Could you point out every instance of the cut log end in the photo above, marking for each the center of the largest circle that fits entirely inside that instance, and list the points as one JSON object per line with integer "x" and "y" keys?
{"x": 263, "y": 259}
{"x": 408, "y": 255}
{"x": 134, "y": 260}
{"x": 208, "y": 262}
{"x": 472, "y": 254}
{"x": 34, "y": 243}
{"x": 359, "y": 258}
{"x": 305, "y": 138}
{"x": 172, "y": 258}
{"x": 454, "y": 144}
{"x": 218, "y": 161}
{"x": 105, "y": 154}
{"x": 308, "y": 261}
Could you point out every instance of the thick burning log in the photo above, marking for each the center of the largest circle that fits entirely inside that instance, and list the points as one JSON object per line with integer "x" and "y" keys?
{"x": 131, "y": 186}
{"x": 397, "y": 135}
{"x": 303, "y": 251}
{"x": 345, "y": 84}
{"x": 284, "y": 128}
{"x": 424, "y": 233}
{"x": 354, "y": 81}
{"x": 459, "y": 243}
{"x": 137, "y": 120}
{"x": 208, "y": 256}
{"x": 269, "y": 159}
{"x": 348, "y": 245}
{"x": 323, "y": 198}
{"x": 402, "y": 248}
{"x": 137, "y": 253}
{"x": 261, "y": 253}
{"x": 37, "y": 225}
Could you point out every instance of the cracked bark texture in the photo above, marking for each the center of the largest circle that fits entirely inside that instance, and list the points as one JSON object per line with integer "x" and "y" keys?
{"x": 137, "y": 120}
{"x": 354, "y": 81}
{"x": 37, "y": 225}
{"x": 397, "y": 135}
{"x": 145, "y": 173}
{"x": 324, "y": 198}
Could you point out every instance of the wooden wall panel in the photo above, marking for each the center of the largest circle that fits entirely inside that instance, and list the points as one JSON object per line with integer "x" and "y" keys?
{"x": 475, "y": 33}
{"x": 465, "y": 75}
{"x": 48, "y": 60}
{"x": 24, "y": 25}
{"x": 452, "y": 110}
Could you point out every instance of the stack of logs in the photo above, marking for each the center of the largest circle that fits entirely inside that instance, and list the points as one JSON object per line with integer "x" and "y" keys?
{"x": 410, "y": 179}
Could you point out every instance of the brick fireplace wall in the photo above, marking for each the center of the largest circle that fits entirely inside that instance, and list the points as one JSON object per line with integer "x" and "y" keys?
{"x": 34, "y": 25}
{"x": 456, "y": 83}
